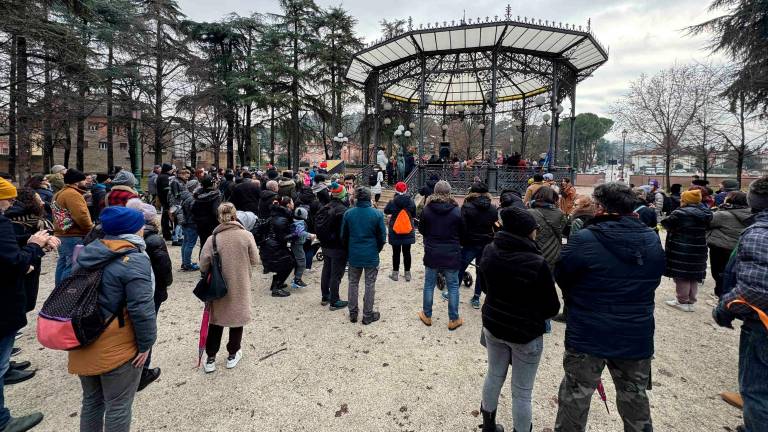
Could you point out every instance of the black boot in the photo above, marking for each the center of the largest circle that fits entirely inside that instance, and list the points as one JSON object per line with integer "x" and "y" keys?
{"x": 489, "y": 421}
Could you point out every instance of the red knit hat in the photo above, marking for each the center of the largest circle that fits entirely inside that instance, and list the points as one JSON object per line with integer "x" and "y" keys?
{"x": 401, "y": 187}
{"x": 323, "y": 164}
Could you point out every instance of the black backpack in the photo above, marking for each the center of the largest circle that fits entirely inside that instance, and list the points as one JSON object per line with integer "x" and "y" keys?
{"x": 373, "y": 179}
{"x": 324, "y": 225}
{"x": 261, "y": 230}
{"x": 669, "y": 204}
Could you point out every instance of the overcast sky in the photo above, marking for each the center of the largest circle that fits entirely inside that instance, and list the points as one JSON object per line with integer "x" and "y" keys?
{"x": 644, "y": 36}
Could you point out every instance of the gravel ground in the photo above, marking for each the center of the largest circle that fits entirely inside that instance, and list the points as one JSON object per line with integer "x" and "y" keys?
{"x": 328, "y": 374}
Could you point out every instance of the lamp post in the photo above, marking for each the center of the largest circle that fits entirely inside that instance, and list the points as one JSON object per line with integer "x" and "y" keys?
{"x": 623, "y": 148}
{"x": 481, "y": 126}
{"x": 340, "y": 139}
{"x": 136, "y": 116}
{"x": 556, "y": 109}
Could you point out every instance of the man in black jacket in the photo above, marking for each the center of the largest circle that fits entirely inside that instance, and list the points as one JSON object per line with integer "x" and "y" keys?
{"x": 479, "y": 217}
{"x": 163, "y": 191}
{"x": 246, "y": 195}
{"x": 15, "y": 262}
{"x": 328, "y": 226}
{"x": 267, "y": 197}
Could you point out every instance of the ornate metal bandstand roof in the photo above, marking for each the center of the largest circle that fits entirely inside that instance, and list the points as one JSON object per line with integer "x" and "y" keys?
{"x": 459, "y": 60}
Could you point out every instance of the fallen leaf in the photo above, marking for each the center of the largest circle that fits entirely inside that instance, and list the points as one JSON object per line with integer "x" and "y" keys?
{"x": 343, "y": 410}
{"x": 475, "y": 413}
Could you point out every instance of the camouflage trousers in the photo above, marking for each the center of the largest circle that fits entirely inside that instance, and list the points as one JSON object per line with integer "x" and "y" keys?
{"x": 582, "y": 375}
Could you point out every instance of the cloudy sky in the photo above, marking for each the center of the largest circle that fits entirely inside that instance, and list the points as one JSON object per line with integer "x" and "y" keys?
{"x": 643, "y": 36}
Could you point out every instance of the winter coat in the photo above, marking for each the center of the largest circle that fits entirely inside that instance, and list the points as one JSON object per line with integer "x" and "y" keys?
{"x": 119, "y": 195}
{"x": 609, "y": 272}
{"x": 162, "y": 267}
{"x": 535, "y": 186}
{"x": 647, "y": 215}
{"x": 98, "y": 200}
{"x": 321, "y": 192}
{"x": 567, "y": 198}
{"x": 205, "y": 211}
{"x": 551, "y": 224}
{"x": 441, "y": 226}
{"x": 308, "y": 200}
{"x": 225, "y": 188}
{"x": 274, "y": 251}
{"x": 328, "y": 224}
{"x": 364, "y": 234}
{"x": 177, "y": 186}
{"x": 246, "y": 196}
{"x": 71, "y": 198}
{"x": 517, "y": 302}
{"x": 14, "y": 263}
{"x": 152, "y": 183}
{"x": 727, "y": 225}
{"x": 376, "y": 189}
{"x": 163, "y": 184}
{"x": 393, "y": 208}
{"x": 479, "y": 217}
{"x": 287, "y": 188}
{"x": 126, "y": 285}
{"x": 410, "y": 164}
{"x": 238, "y": 254}
{"x": 25, "y": 224}
{"x": 185, "y": 216}
{"x": 576, "y": 222}
{"x": 265, "y": 203}
{"x": 381, "y": 159}
{"x": 512, "y": 199}
{"x": 751, "y": 271}
{"x": 686, "y": 244}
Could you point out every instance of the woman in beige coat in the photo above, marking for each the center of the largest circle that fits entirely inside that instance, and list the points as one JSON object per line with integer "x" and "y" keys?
{"x": 234, "y": 245}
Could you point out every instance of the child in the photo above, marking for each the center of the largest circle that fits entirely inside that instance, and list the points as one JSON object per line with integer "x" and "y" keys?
{"x": 297, "y": 247}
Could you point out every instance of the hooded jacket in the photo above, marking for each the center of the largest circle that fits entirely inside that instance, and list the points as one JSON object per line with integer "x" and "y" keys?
{"x": 25, "y": 224}
{"x": 126, "y": 285}
{"x": 246, "y": 196}
{"x": 479, "y": 217}
{"x": 266, "y": 199}
{"x": 364, "y": 234}
{"x": 442, "y": 228}
{"x": 286, "y": 187}
{"x": 205, "y": 211}
{"x": 71, "y": 199}
{"x": 308, "y": 200}
{"x": 727, "y": 225}
{"x": 163, "y": 184}
{"x": 328, "y": 224}
{"x": 274, "y": 251}
{"x": 119, "y": 195}
{"x": 609, "y": 272}
{"x": 517, "y": 303}
{"x": 686, "y": 244}
{"x": 393, "y": 209}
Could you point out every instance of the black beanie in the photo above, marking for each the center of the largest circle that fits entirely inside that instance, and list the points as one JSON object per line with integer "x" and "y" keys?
{"x": 73, "y": 176}
{"x": 517, "y": 221}
{"x": 478, "y": 187}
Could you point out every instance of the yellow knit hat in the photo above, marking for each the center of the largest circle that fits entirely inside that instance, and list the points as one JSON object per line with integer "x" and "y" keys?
{"x": 7, "y": 190}
{"x": 691, "y": 197}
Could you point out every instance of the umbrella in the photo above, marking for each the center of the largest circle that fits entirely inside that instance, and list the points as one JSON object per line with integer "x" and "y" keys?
{"x": 203, "y": 333}
{"x": 601, "y": 392}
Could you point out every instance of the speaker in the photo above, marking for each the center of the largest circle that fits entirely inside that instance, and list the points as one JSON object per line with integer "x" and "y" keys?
{"x": 445, "y": 150}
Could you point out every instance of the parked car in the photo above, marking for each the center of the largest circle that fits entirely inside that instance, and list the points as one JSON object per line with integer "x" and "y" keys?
{"x": 679, "y": 171}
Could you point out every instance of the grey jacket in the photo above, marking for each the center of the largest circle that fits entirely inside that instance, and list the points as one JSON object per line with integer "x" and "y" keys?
{"x": 726, "y": 227}
{"x": 127, "y": 282}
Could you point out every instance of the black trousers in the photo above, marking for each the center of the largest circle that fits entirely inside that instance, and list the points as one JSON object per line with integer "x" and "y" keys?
{"x": 165, "y": 223}
{"x": 213, "y": 342}
{"x": 718, "y": 259}
{"x": 334, "y": 264}
{"x": 279, "y": 278}
{"x": 406, "y": 248}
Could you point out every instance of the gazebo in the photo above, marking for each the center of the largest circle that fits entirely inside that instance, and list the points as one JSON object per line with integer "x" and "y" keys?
{"x": 478, "y": 68}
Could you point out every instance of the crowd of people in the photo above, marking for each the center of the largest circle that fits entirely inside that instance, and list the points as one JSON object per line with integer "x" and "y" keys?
{"x": 603, "y": 251}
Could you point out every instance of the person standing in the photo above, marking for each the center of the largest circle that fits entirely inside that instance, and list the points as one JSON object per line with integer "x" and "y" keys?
{"x": 364, "y": 235}
{"x": 377, "y": 177}
{"x": 123, "y": 189}
{"x": 479, "y": 217}
{"x": 110, "y": 368}
{"x": 538, "y": 181}
{"x": 646, "y": 214}
{"x": 275, "y": 253}
{"x": 328, "y": 227}
{"x": 246, "y": 195}
{"x": 441, "y": 227}
{"x": 381, "y": 159}
{"x": 71, "y": 220}
{"x": 728, "y": 222}
{"x": 583, "y": 211}
{"x": 401, "y": 232}
{"x": 204, "y": 209}
{"x": 233, "y": 244}
{"x": 567, "y": 195}
{"x": 177, "y": 185}
{"x": 551, "y": 222}
{"x": 300, "y": 236}
{"x": 726, "y": 186}
{"x": 186, "y": 219}
{"x": 656, "y": 197}
{"x": 745, "y": 297}
{"x": 686, "y": 248}
{"x": 609, "y": 273}
{"x": 514, "y": 313}
{"x": 267, "y": 198}
{"x": 163, "y": 183}
{"x": 152, "y": 184}
{"x": 15, "y": 263}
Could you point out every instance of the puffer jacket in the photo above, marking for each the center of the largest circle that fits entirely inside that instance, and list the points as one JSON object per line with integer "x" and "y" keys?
{"x": 441, "y": 226}
{"x": 393, "y": 208}
{"x": 328, "y": 224}
{"x": 686, "y": 244}
{"x": 265, "y": 203}
{"x": 364, "y": 234}
{"x": 246, "y": 196}
{"x": 119, "y": 195}
{"x": 609, "y": 272}
{"x": 274, "y": 252}
{"x": 551, "y": 224}
{"x": 307, "y": 199}
{"x": 26, "y": 224}
{"x": 286, "y": 187}
{"x": 162, "y": 267}
{"x": 518, "y": 302}
{"x": 728, "y": 222}
{"x": 479, "y": 217}
{"x": 205, "y": 212}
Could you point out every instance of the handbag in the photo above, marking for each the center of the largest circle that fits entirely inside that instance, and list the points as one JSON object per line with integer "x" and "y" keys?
{"x": 212, "y": 285}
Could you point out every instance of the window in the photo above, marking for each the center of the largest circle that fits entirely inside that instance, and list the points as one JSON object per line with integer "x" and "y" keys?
{"x": 199, "y": 158}
{"x": 85, "y": 144}
{"x": 93, "y": 126}
{"x": 123, "y": 146}
{"x": 4, "y": 151}
{"x": 103, "y": 145}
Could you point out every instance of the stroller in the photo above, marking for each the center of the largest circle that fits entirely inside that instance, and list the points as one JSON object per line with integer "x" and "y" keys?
{"x": 466, "y": 279}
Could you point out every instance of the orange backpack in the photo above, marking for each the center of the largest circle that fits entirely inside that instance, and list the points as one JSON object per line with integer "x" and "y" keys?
{"x": 402, "y": 223}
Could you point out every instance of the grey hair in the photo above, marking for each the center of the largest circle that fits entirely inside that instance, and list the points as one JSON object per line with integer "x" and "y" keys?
{"x": 615, "y": 198}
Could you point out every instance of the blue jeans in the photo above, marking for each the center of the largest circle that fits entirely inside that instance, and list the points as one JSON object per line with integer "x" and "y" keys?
{"x": 190, "y": 239}
{"x": 753, "y": 375}
{"x": 6, "y": 345}
{"x": 524, "y": 359}
{"x": 469, "y": 253}
{"x": 66, "y": 250}
{"x": 178, "y": 233}
{"x": 452, "y": 280}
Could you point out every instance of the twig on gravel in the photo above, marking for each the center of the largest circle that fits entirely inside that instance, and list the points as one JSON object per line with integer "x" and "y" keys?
{"x": 271, "y": 354}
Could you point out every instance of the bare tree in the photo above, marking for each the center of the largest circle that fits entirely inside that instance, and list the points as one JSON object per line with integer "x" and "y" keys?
{"x": 660, "y": 109}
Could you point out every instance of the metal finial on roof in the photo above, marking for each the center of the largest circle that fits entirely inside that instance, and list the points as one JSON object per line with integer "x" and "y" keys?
{"x": 487, "y": 19}
{"x": 589, "y": 24}
{"x": 518, "y": 18}
{"x": 495, "y": 17}
{"x": 453, "y": 22}
{"x": 579, "y": 28}
{"x": 437, "y": 24}
{"x": 410, "y": 23}
{"x": 546, "y": 22}
{"x": 509, "y": 12}
{"x": 470, "y": 21}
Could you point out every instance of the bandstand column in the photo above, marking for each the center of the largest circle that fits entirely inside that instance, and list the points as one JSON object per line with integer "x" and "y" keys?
{"x": 553, "y": 106}
{"x": 572, "y": 143}
{"x": 377, "y": 114}
{"x": 422, "y": 106}
{"x": 492, "y": 144}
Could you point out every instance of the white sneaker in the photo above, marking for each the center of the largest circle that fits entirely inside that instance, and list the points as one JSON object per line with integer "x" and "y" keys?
{"x": 691, "y": 307}
{"x": 233, "y": 361}
{"x": 210, "y": 365}
{"x": 679, "y": 306}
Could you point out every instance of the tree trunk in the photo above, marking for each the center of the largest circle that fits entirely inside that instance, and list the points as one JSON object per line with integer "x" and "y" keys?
{"x": 158, "y": 121}
{"x": 193, "y": 140}
{"x": 272, "y": 136}
{"x": 47, "y": 119}
{"x": 325, "y": 142}
{"x": 12, "y": 110}
{"x": 743, "y": 144}
{"x": 80, "y": 125}
{"x": 247, "y": 138}
{"x": 230, "y": 136}
{"x": 293, "y": 148}
{"x": 67, "y": 141}
{"x": 22, "y": 112}
{"x": 110, "y": 119}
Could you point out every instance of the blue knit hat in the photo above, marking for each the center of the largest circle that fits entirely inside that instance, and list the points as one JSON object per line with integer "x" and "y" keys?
{"x": 121, "y": 220}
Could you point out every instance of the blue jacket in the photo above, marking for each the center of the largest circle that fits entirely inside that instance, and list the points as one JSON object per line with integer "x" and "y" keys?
{"x": 127, "y": 282}
{"x": 442, "y": 228}
{"x": 609, "y": 272}
{"x": 364, "y": 234}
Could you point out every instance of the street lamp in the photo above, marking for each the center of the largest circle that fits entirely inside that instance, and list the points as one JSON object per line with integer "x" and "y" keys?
{"x": 623, "y": 148}
{"x": 340, "y": 139}
{"x": 444, "y": 128}
{"x": 481, "y": 126}
{"x": 136, "y": 116}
